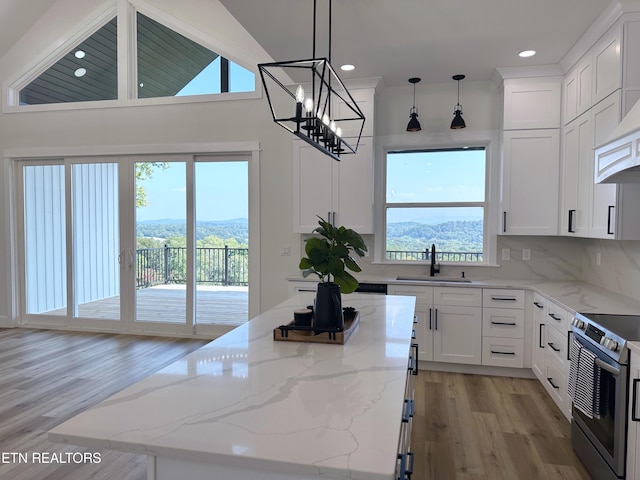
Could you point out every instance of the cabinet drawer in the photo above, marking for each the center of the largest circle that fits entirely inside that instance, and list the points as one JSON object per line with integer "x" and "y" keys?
{"x": 558, "y": 318}
{"x": 424, "y": 295}
{"x": 555, "y": 343}
{"x": 503, "y": 322}
{"x": 503, "y": 298}
{"x": 555, "y": 382}
{"x": 503, "y": 352}
{"x": 457, "y": 296}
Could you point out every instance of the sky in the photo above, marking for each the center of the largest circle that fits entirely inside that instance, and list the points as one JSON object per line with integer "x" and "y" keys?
{"x": 221, "y": 192}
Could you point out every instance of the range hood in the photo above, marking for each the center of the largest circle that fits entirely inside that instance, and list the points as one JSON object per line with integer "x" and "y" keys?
{"x": 618, "y": 159}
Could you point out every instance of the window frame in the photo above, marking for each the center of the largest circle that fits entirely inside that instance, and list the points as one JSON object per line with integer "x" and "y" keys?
{"x": 126, "y": 12}
{"x": 404, "y": 143}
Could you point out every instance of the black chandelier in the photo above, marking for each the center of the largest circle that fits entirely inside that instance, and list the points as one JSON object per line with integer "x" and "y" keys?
{"x": 308, "y": 98}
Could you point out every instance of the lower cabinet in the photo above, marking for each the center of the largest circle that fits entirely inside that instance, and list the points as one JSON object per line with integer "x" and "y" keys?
{"x": 503, "y": 328}
{"x": 551, "y": 346}
{"x": 449, "y": 325}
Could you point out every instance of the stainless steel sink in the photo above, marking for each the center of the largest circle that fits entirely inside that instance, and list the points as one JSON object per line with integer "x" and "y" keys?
{"x": 420, "y": 278}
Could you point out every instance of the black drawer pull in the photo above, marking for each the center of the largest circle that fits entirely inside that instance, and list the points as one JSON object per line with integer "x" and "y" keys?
{"x": 550, "y": 380}
{"x": 540, "y": 343}
{"x": 493, "y": 352}
{"x": 538, "y": 304}
{"x": 553, "y": 347}
{"x": 503, "y": 299}
{"x": 503, "y": 323}
{"x": 553, "y": 315}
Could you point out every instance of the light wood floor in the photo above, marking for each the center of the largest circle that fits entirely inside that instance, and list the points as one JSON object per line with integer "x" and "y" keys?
{"x": 466, "y": 427}
{"x": 475, "y": 427}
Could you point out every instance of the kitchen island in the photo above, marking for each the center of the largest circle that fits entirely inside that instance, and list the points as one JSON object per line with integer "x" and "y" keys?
{"x": 247, "y": 407}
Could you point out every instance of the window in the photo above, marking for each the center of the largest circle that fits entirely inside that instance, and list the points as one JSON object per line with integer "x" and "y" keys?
{"x": 167, "y": 64}
{"x": 436, "y": 197}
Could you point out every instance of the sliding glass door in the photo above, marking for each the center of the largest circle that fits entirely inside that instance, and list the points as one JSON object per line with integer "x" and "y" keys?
{"x": 71, "y": 249}
{"x": 150, "y": 244}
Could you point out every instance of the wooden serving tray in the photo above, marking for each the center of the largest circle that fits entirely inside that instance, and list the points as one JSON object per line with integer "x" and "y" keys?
{"x": 292, "y": 333}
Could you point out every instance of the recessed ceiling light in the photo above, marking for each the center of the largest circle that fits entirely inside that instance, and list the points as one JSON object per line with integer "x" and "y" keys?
{"x": 79, "y": 54}
{"x": 81, "y": 72}
{"x": 527, "y": 53}
{"x": 347, "y": 67}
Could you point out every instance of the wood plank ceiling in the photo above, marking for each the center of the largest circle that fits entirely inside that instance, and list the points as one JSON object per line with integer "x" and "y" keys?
{"x": 167, "y": 61}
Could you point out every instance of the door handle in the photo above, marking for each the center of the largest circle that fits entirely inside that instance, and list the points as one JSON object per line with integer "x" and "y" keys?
{"x": 504, "y": 222}
{"x": 609, "y": 222}
{"x": 130, "y": 259}
{"x": 634, "y": 417}
{"x": 540, "y": 344}
{"x": 570, "y": 227}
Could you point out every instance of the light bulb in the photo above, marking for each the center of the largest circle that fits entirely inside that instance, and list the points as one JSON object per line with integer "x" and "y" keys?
{"x": 300, "y": 94}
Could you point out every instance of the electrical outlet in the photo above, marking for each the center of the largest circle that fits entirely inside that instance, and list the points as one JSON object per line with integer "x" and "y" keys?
{"x": 598, "y": 259}
{"x": 285, "y": 251}
{"x": 526, "y": 254}
{"x": 506, "y": 254}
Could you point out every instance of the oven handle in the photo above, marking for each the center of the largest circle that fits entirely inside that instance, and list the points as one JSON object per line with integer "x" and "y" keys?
{"x": 605, "y": 366}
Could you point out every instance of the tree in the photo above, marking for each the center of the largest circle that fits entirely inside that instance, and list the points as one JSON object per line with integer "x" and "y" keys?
{"x": 144, "y": 171}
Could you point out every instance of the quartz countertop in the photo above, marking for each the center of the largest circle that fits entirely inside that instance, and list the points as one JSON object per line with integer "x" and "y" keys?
{"x": 245, "y": 400}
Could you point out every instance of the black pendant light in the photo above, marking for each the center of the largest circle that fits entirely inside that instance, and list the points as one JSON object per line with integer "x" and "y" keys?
{"x": 458, "y": 121}
{"x": 414, "y": 124}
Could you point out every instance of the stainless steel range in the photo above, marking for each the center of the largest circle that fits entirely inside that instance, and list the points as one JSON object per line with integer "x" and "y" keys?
{"x": 598, "y": 426}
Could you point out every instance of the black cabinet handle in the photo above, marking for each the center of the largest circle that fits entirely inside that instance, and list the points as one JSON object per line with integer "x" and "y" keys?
{"x": 553, "y": 347}
{"x": 503, "y": 299}
{"x": 415, "y": 356}
{"x": 609, "y": 222}
{"x": 570, "y": 227}
{"x": 503, "y": 323}
{"x": 634, "y": 405}
{"x": 504, "y": 222}
{"x": 430, "y": 326}
{"x": 540, "y": 344}
{"x": 552, "y": 315}
{"x": 569, "y": 338}
{"x": 436, "y": 319}
{"x": 538, "y": 304}
{"x": 550, "y": 380}
{"x": 502, "y": 353}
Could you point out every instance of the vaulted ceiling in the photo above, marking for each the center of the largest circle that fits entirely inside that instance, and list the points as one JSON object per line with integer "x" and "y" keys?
{"x": 432, "y": 39}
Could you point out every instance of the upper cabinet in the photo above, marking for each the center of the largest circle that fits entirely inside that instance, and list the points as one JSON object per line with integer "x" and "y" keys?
{"x": 531, "y": 104}
{"x": 531, "y": 156}
{"x": 341, "y": 192}
{"x": 597, "y": 75}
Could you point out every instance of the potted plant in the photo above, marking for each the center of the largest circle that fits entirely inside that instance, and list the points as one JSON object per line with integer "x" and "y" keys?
{"x": 329, "y": 257}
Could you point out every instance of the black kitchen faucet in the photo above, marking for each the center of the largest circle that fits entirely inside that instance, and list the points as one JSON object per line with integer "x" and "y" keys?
{"x": 433, "y": 269}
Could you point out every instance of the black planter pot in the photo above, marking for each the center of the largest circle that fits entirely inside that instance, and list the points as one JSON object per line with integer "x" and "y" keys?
{"x": 327, "y": 309}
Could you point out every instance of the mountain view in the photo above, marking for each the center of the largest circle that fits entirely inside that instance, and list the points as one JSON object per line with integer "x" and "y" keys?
{"x": 451, "y": 236}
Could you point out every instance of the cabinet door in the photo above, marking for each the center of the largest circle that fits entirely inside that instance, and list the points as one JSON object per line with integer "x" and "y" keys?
{"x": 539, "y": 319}
{"x": 424, "y": 311}
{"x": 312, "y": 186}
{"x": 530, "y": 179}
{"x": 607, "y": 65}
{"x": 458, "y": 335}
{"x": 606, "y": 116}
{"x": 577, "y": 157}
{"x": 570, "y": 97}
{"x": 353, "y": 197}
{"x": 584, "y": 76}
{"x": 532, "y": 104}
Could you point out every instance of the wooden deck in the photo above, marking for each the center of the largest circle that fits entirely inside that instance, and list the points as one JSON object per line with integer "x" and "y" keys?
{"x": 167, "y": 303}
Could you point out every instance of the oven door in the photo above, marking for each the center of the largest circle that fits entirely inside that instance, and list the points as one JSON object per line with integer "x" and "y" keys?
{"x": 607, "y": 434}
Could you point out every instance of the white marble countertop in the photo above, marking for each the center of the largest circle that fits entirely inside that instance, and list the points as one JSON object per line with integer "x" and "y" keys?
{"x": 247, "y": 401}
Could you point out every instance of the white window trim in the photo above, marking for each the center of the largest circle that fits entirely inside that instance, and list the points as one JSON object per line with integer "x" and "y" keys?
{"x": 126, "y": 10}
{"x": 489, "y": 139}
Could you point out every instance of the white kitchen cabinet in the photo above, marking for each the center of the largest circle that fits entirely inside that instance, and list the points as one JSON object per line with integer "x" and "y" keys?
{"x": 550, "y": 350}
{"x": 576, "y": 90}
{"x": 503, "y": 327}
{"x": 589, "y": 209}
{"x": 532, "y": 103}
{"x": 577, "y": 158}
{"x": 449, "y": 322}
{"x": 530, "y": 181}
{"x": 633, "y": 421}
{"x": 607, "y": 64}
{"x": 341, "y": 192}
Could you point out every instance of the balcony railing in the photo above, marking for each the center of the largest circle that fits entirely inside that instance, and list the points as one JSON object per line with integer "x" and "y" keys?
{"x": 425, "y": 256}
{"x": 214, "y": 266}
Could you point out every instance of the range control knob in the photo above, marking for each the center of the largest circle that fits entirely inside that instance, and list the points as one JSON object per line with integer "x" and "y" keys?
{"x": 576, "y": 322}
{"x": 610, "y": 344}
